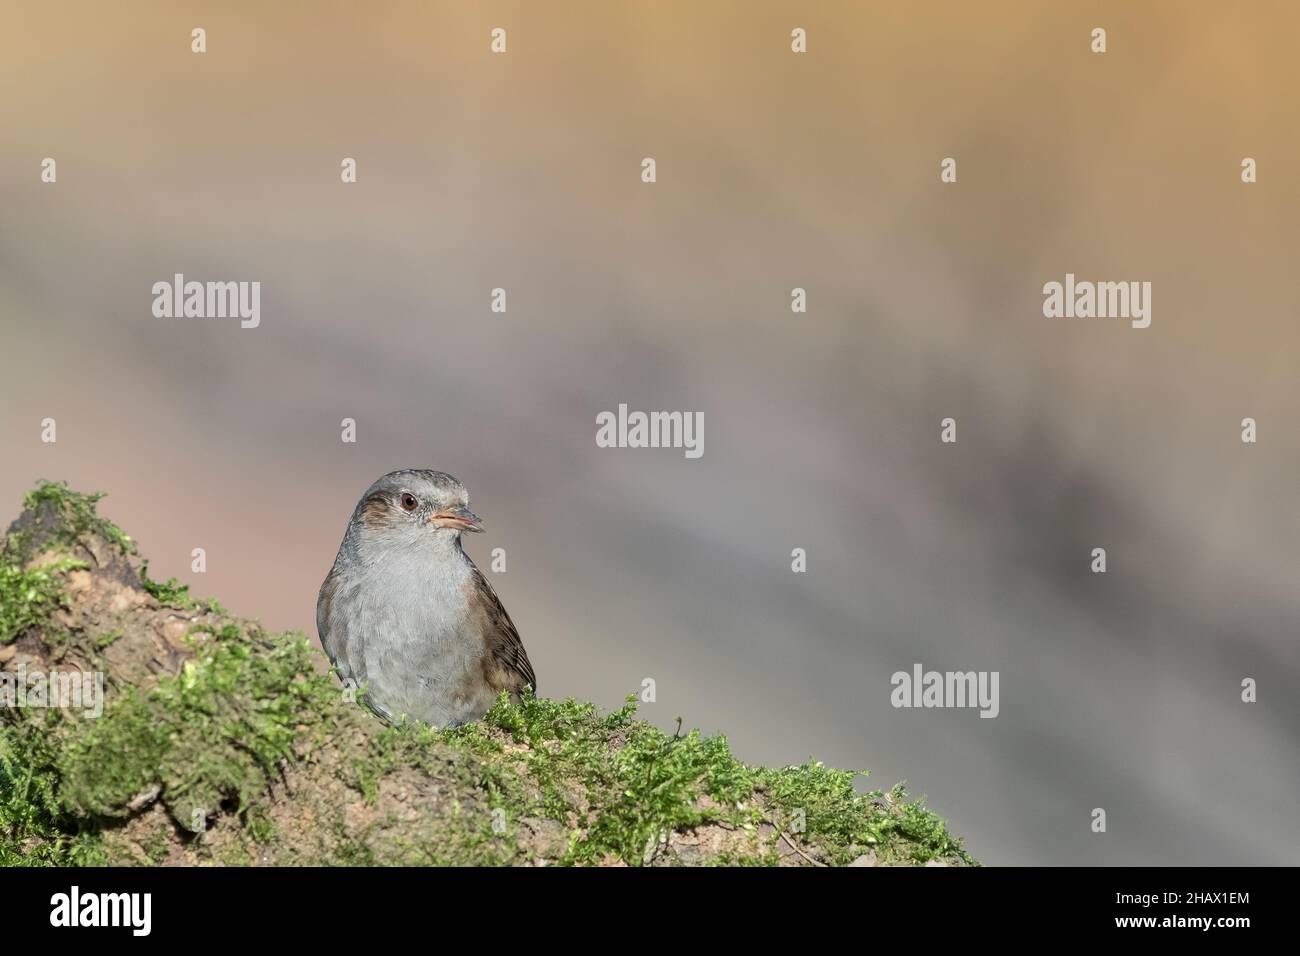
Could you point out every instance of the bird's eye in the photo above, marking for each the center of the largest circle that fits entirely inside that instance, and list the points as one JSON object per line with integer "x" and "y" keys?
{"x": 408, "y": 501}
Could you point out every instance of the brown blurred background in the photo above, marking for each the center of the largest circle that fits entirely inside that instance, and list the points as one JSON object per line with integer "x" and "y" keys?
{"x": 821, "y": 430}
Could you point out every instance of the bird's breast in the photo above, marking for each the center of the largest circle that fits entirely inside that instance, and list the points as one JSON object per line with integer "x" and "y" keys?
{"x": 411, "y": 601}
{"x": 417, "y": 644}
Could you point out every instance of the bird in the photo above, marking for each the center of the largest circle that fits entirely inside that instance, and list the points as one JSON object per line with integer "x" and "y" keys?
{"x": 407, "y": 617}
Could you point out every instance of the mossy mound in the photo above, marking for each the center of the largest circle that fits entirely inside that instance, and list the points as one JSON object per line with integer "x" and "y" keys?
{"x": 217, "y": 742}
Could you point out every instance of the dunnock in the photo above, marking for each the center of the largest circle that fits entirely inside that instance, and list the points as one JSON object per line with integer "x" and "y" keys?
{"x": 406, "y": 614}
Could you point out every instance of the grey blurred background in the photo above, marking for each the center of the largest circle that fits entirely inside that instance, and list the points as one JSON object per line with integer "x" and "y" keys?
{"x": 821, "y": 430}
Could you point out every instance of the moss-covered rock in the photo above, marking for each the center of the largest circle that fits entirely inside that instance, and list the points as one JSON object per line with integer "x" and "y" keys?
{"x": 216, "y": 742}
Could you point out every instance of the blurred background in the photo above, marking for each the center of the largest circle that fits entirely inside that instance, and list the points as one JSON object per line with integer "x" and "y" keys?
{"x": 821, "y": 430}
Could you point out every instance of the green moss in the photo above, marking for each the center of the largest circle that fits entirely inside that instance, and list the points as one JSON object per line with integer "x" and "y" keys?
{"x": 483, "y": 787}
{"x": 174, "y": 594}
{"x": 846, "y": 823}
{"x": 70, "y": 517}
{"x": 537, "y": 779}
{"x": 621, "y": 784}
{"x": 208, "y": 738}
{"x": 412, "y": 745}
{"x": 204, "y": 741}
{"x": 212, "y": 739}
{"x": 29, "y": 596}
{"x": 35, "y": 830}
{"x": 58, "y": 515}
{"x": 170, "y": 592}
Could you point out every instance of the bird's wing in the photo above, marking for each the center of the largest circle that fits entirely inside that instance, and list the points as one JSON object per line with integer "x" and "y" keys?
{"x": 339, "y": 646}
{"x": 506, "y": 665}
{"x": 333, "y": 633}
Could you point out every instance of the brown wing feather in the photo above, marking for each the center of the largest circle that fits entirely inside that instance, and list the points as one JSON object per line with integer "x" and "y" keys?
{"x": 506, "y": 665}
{"x": 332, "y": 639}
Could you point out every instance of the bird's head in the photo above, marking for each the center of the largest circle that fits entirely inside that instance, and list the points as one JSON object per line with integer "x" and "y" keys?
{"x": 414, "y": 508}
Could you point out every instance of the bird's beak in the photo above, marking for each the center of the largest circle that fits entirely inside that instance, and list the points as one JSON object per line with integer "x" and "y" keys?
{"x": 460, "y": 518}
